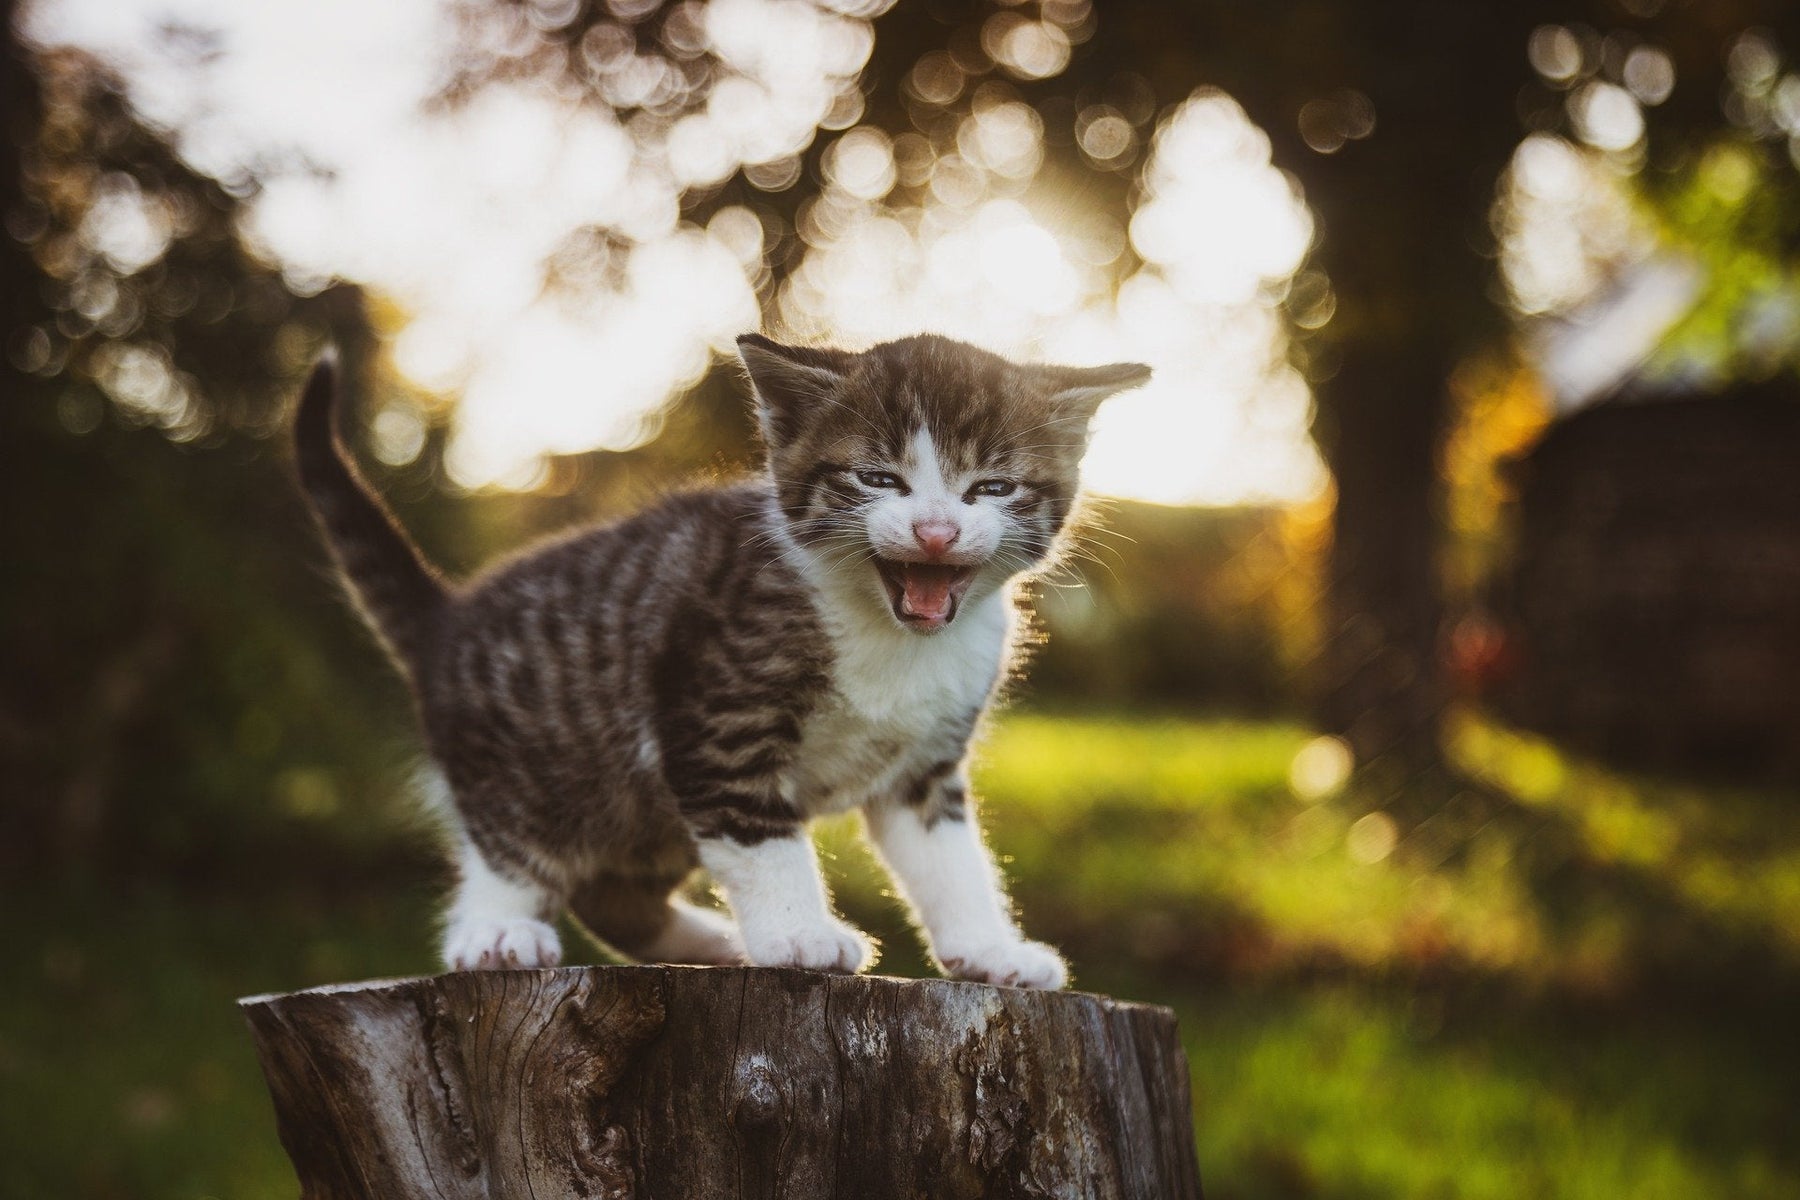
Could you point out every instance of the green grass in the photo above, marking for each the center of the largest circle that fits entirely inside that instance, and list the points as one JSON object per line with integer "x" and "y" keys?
{"x": 1344, "y": 1091}
{"x": 125, "y": 1070}
{"x": 1573, "y": 985}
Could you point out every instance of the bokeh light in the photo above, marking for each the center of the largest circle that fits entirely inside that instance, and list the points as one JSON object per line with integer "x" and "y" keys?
{"x": 992, "y": 253}
{"x": 453, "y": 212}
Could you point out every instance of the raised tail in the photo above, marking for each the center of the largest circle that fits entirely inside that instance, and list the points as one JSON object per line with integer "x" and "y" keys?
{"x": 400, "y": 595}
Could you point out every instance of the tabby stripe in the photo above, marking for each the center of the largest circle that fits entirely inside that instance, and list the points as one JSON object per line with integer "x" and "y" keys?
{"x": 752, "y": 796}
{"x": 919, "y": 790}
{"x": 746, "y": 831}
{"x": 759, "y": 763}
{"x": 951, "y": 806}
{"x": 783, "y": 729}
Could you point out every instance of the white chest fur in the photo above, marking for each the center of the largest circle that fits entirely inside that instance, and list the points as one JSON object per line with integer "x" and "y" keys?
{"x": 895, "y": 676}
{"x": 899, "y": 703}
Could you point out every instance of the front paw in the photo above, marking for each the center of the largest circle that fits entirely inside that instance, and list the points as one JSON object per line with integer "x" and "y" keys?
{"x": 1015, "y": 963}
{"x": 831, "y": 946}
{"x": 499, "y": 945}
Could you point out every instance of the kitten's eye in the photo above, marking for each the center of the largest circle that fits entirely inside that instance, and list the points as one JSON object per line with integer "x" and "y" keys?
{"x": 994, "y": 487}
{"x": 879, "y": 479}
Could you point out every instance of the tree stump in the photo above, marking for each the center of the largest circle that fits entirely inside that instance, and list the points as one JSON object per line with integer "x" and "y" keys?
{"x": 689, "y": 1082}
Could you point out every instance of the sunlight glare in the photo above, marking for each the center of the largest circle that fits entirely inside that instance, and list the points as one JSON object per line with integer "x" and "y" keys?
{"x": 453, "y": 213}
{"x": 559, "y": 379}
{"x": 1224, "y": 421}
{"x": 1220, "y": 220}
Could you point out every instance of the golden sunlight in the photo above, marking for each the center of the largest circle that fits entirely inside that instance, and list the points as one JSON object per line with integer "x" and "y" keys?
{"x": 452, "y": 215}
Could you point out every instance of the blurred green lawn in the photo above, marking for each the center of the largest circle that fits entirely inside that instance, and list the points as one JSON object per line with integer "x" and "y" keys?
{"x": 1567, "y": 984}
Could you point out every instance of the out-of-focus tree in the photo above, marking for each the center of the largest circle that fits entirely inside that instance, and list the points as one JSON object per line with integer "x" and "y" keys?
{"x": 148, "y": 669}
{"x": 1398, "y": 120}
{"x": 138, "y": 308}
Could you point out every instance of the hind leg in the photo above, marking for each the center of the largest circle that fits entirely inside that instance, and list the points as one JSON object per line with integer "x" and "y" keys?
{"x": 498, "y": 919}
{"x": 639, "y": 916}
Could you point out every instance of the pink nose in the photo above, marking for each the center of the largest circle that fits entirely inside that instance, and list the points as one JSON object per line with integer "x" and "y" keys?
{"x": 935, "y": 537}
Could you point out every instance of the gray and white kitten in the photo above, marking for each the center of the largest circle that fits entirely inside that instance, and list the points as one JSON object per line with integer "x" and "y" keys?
{"x": 692, "y": 685}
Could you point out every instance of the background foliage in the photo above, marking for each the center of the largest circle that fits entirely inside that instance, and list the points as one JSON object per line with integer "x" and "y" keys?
{"x": 1478, "y": 965}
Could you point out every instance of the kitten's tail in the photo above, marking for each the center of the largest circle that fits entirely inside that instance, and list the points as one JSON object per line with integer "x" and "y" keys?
{"x": 400, "y": 595}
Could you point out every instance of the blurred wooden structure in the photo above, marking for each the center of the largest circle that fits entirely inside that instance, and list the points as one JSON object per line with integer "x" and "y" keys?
{"x": 700, "y": 1082}
{"x": 1655, "y": 593}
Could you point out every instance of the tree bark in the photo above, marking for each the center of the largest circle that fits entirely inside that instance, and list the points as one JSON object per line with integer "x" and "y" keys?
{"x": 641, "y": 1082}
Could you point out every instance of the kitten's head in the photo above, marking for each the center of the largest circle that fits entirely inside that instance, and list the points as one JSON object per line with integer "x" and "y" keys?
{"x": 925, "y": 473}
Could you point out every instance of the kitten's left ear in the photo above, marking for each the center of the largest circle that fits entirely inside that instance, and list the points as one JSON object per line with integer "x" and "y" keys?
{"x": 1079, "y": 390}
{"x": 789, "y": 381}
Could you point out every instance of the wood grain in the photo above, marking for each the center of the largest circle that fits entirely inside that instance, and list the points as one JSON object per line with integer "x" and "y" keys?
{"x": 665, "y": 1083}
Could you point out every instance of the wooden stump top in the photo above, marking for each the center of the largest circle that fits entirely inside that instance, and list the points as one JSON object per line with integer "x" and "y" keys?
{"x": 653, "y": 1081}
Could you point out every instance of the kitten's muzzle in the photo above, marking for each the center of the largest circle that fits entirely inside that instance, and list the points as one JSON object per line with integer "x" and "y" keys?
{"x": 924, "y": 595}
{"x": 935, "y": 537}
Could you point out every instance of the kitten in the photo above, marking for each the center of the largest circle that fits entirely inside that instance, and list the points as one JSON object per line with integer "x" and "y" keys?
{"x": 691, "y": 685}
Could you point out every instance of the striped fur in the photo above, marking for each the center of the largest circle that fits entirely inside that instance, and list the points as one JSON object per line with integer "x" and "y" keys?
{"x": 696, "y": 682}
{"x": 399, "y": 594}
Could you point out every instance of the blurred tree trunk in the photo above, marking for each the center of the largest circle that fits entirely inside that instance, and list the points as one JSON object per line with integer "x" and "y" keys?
{"x": 1405, "y": 239}
{"x": 1382, "y": 689}
{"x": 20, "y": 410}
{"x": 119, "y": 711}
{"x": 1402, "y": 237}
{"x": 20, "y": 302}
{"x": 1401, "y": 217}
{"x": 18, "y": 121}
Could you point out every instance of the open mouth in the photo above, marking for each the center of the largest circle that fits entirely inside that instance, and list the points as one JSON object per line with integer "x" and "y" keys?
{"x": 924, "y": 596}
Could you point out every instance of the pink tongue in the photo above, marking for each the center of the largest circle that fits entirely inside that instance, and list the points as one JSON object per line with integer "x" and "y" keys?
{"x": 927, "y": 590}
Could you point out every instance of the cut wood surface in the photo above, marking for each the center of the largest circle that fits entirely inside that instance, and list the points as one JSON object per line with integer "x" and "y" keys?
{"x": 677, "y": 1082}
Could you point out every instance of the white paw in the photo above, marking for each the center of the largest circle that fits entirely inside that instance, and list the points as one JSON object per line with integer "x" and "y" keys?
{"x": 699, "y": 936}
{"x": 1016, "y": 963}
{"x": 830, "y": 946}
{"x": 499, "y": 945}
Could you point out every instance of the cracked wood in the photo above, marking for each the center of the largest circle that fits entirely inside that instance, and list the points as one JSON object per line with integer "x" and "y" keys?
{"x": 664, "y": 1083}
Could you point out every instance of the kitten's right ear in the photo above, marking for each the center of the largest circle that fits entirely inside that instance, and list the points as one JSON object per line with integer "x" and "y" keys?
{"x": 790, "y": 381}
{"x": 1079, "y": 390}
